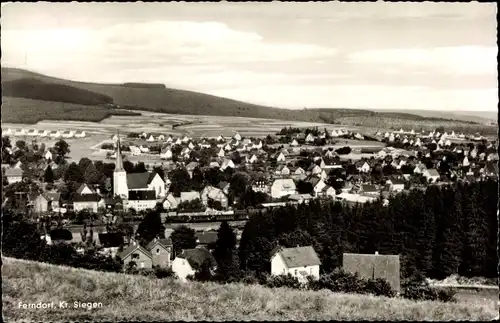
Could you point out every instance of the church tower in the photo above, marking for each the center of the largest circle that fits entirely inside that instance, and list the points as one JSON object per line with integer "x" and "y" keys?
{"x": 120, "y": 187}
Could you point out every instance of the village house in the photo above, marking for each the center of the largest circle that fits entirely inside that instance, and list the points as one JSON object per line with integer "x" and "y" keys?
{"x": 214, "y": 164}
{"x": 368, "y": 190}
{"x": 282, "y": 187}
{"x": 137, "y": 254}
{"x": 86, "y": 202}
{"x": 365, "y": 167}
{"x": 170, "y": 202}
{"x": 68, "y": 134}
{"x": 396, "y": 185}
{"x": 281, "y": 158}
{"x": 189, "y": 196}
{"x": 206, "y": 239}
{"x": 43, "y": 133}
{"x": 327, "y": 192}
{"x": 161, "y": 251}
{"x": 191, "y": 167}
{"x": 46, "y": 202}
{"x": 215, "y": 194}
{"x": 310, "y": 138}
{"x": 431, "y": 175}
{"x": 300, "y": 262}
{"x": 300, "y": 198}
{"x": 221, "y": 153}
{"x": 261, "y": 185}
{"x": 80, "y": 134}
{"x": 282, "y": 170}
{"x": 224, "y": 186}
{"x": 48, "y": 155}
{"x": 227, "y": 163}
{"x": 13, "y": 175}
{"x": 251, "y": 160}
{"x": 191, "y": 260}
{"x": 317, "y": 183}
{"x": 166, "y": 154}
{"x": 141, "y": 200}
{"x": 55, "y": 134}
{"x": 372, "y": 266}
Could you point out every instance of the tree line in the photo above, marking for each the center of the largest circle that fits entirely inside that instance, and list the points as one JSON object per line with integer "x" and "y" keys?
{"x": 438, "y": 232}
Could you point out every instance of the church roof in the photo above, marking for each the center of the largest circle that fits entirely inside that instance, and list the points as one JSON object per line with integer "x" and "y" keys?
{"x": 119, "y": 160}
{"x": 139, "y": 180}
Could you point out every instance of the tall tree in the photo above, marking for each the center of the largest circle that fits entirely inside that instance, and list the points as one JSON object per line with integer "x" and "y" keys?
{"x": 225, "y": 253}
{"x": 183, "y": 238}
{"x": 61, "y": 148}
{"x": 48, "y": 176}
{"x": 73, "y": 174}
{"x": 150, "y": 228}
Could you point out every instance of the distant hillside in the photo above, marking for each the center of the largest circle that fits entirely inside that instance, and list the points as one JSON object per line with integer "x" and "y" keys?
{"x": 36, "y": 89}
{"x": 158, "y": 98}
{"x": 27, "y": 111}
{"x": 137, "y": 298}
{"x": 470, "y": 116}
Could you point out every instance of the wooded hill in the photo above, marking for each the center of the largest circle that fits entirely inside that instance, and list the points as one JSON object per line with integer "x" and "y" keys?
{"x": 20, "y": 83}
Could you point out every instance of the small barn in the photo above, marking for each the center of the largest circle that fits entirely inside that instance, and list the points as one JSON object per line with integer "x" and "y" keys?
{"x": 374, "y": 266}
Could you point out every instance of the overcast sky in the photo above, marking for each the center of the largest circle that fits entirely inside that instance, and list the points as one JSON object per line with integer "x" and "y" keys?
{"x": 437, "y": 56}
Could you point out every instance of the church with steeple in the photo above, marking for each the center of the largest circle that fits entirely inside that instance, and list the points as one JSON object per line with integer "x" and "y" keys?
{"x": 139, "y": 191}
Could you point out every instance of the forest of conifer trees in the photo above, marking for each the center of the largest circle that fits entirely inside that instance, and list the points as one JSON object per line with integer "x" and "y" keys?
{"x": 438, "y": 232}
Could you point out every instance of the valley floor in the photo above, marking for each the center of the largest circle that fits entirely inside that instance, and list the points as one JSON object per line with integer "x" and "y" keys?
{"x": 126, "y": 298}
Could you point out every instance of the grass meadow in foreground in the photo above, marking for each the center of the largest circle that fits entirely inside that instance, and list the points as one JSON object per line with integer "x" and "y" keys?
{"x": 126, "y": 298}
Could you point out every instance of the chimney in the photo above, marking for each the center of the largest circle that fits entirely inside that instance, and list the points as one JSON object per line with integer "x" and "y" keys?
{"x": 376, "y": 253}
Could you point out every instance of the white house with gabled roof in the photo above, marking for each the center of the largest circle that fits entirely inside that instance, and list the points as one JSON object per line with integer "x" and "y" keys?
{"x": 300, "y": 262}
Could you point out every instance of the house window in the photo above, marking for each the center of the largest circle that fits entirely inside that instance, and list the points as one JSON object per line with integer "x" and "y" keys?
{"x": 296, "y": 271}
{"x": 135, "y": 256}
{"x": 157, "y": 251}
{"x": 142, "y": 264}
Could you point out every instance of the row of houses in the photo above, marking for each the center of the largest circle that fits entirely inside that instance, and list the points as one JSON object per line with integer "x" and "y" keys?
{"x": 46, "y": 133}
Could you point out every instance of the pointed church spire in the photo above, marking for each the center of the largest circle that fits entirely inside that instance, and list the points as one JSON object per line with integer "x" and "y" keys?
{"x": 119, "y": 161}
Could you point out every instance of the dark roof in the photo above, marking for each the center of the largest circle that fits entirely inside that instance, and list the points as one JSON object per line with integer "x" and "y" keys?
{"x": 374, "y": 266}
{"x": 86, "y": 198}
{"x": 61, "y": 234}
{"x": 369, "y": 188}
{"x": 206, "y": 237}
{"x": 222, "y": 185}
{"x": 299, "y": 256}
{"x": 197, "y": 257}
{"x": 132, "y": 248}
{"x": 165, "y": 242}
{"x": 492, "y": 168}
{"x": 313, "y": 180}
{"x": 139, "y": 180}
{"x": 142, "y": 195}
{"x": 397, "y": 181}
{"x": 111, "y": 239}
{"x": 112, "y": 200}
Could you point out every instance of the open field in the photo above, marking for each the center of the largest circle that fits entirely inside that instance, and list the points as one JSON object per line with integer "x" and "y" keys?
{"x": 125, "y": 298}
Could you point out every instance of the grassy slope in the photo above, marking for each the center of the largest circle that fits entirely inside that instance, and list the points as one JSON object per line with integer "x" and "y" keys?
{"x": 128, "y": 298}
{"x": 167, "y": 100}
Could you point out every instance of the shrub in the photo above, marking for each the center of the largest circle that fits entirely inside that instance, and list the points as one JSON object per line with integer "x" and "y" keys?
{"x": 341, "y": 281}
{"x": 161, "y": 272}
{"x": 417, "y": 288}
{"x": 379, "y": 287}
{"x": 283, "y": 281}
